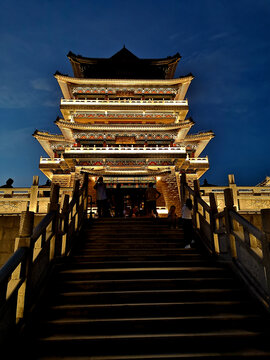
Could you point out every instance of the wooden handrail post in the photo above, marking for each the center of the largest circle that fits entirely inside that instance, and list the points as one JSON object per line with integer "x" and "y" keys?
{"x": 85, "y": 199}
{"x": 229, "y": 206}
{"x": 197, "y": 195}
{"x": 54, "y": 198}
{"x": 265, "y": 214}
{"x": 25, "y": 229}
{"x": 23, "y": 240}
{"x": 233, "y": 186}
{"x": 76, "y": 188}
{"x": 196, "y": 185}
{"x": 64, "y": 216}
{"x": 229, "y": 201}
{"x": 34, "y": 195}
{"x": 64, "y": 212}
{"x": 213, "y": 212}
{"x": 55, "y": 206}
{"x": 85, "y": 182}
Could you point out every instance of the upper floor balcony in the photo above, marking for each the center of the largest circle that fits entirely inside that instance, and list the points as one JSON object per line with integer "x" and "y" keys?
{"x": 179, "y": 107}
{"x": 124, "y": 104}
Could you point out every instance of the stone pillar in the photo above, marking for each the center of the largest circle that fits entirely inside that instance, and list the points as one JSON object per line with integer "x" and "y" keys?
{"x": 229, "y": 206}
{"x": 233, "y": 186}
{"x": 54, "y": 198}
{"x": 34, "y": 195}
{"x": 25, "y": 229}
{"x": 23, "y": 240}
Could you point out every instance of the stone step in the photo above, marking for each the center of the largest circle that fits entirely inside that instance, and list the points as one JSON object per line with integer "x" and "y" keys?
{"x": 152, "y": 309}
{"x": 86, "y": 263}
{"x": 94, "y": 245}
{"x": 250, "y": 354}
{"x": 152, "y": 261}
{"x": 220, "y": 341}
{"x": 131, "y": 291}
{"x": 142, "y": 273}
{"x": 139, "y": 296}
{"x": 144, "y": 284}
{"x": 166, "y": 325}
{"x": 132, "y": 252}
{"x": 126, "y": 258}
{"x": 118, "y": 236}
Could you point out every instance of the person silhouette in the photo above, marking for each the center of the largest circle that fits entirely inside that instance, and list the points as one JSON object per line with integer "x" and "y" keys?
{"x": 151, "y": 196}
{"x": 8, "y": 184}
{"x": 101, "y": 197}
{"x": 187, "y": 223}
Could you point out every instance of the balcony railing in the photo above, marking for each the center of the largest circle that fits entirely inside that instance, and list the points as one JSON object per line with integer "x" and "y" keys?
{"x": 202, "y": 160}
{"x": 125, "y": 101}
{"x": 49, "y": 160}
{"x": 126, "y": 149}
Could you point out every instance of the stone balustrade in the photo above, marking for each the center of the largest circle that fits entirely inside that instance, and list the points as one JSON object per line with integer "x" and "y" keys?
{"x": 229, "y": 236}
{"x": 247, "y": 199}
{"x": 24, "y": 275}
{"x": 35, "y": 198}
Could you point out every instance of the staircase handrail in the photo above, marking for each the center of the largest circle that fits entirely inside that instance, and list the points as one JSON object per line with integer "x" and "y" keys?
{"x": 232, "y": 238}
{"x": 247, "y": 249}
{"x": 23, "y": 277}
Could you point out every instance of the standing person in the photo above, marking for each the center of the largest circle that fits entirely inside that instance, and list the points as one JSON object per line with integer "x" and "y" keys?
{"x": 151, "y": 196}
{"x": 101, "y": 196}
{"x": 187, "y": 223}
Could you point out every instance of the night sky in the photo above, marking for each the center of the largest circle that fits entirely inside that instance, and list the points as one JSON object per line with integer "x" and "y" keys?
{"x": 225, "y": 44}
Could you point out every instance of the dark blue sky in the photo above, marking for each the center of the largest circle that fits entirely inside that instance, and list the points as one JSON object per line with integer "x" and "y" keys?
{"x": 225, "y": 44}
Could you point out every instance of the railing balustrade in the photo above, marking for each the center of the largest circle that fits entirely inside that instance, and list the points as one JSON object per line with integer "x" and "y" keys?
{"x": 125, "y": 148}
{"x": 36, "y": 251}
{"x": 230, "y": 237}
{"x": 34, "y": 198}
{"x": 125, "y": 101}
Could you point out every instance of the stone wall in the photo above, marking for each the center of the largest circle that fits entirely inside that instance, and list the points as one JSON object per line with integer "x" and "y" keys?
{"x": 13, "y": 205}
{"x": 9, "y": 230}
{"x": 62, "y": 180}
{"x": 254, "y": 219}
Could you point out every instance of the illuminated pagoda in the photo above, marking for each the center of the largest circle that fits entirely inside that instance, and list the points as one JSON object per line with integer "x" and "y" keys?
{"x": 124, "y": 118}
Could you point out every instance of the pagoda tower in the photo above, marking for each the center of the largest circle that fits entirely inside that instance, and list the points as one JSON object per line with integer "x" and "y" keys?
{"x": 124, "y": 118}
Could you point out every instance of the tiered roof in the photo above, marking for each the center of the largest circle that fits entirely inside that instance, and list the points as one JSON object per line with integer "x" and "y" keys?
{"x": 123, "y": 65}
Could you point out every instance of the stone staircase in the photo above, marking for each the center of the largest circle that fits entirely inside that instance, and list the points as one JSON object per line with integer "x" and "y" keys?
{"x": 131, "y": 291}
